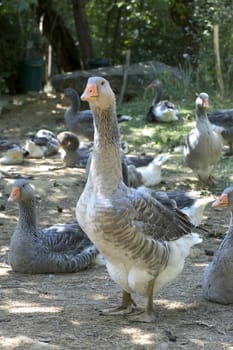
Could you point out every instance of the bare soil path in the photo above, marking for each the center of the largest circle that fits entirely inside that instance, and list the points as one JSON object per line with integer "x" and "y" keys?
{"x": 61, "y": 311}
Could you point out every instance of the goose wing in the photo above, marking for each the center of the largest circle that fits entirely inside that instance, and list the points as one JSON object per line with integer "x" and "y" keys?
{"x": 223, "y": 118}
{"x": 160, "y": 221}
{"x": 65, "y": 237}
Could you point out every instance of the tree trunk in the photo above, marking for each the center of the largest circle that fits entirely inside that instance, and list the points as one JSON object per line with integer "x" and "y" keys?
{"x": 64, "y": 48}
{"x": 217, "y": 59}
{"x": 83, "y": 31}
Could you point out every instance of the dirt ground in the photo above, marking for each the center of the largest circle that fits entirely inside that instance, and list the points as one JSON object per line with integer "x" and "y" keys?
{"x": 62, "y": 311}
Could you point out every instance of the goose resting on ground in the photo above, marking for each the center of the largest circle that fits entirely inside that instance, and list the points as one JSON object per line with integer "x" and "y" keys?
{"x": 222, "y": 123}
{"x": 203, "y": 146}
{"x": 42, "y": 144}
{"x": 74, "y": 153}
{"x": 13, "y": 154}
{"x": 144, "y": 242}
{"x": 81, "y": 122}
{"x": 217, "y": 281}
{"x": 148, "y": 175}
{"x": 161, "y": 110}
{"x": 59, "y": 248}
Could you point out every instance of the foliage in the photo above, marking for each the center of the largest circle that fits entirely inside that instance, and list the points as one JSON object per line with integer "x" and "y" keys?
{"x": 200, "y": 27}
{"x": 21, "y": 38}
{"x": 176, "y": 32}
{"x": 145, "y": 27}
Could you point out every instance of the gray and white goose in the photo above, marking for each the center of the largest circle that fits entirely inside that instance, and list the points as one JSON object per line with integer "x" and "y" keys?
{"x": 81, "y": 121}
{"x": 55, "y": 249}
{"x": 217, "y": 283}
{"x": 144, "y": 242}
{"x": 203, "y": 145}
{"x": 43, "y": 143}
{"x": 161, "y": 110}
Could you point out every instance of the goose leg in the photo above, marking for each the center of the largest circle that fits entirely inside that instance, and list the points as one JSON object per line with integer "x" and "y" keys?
{"x": 125, "y": 307}
{"x": 148, "y": 315}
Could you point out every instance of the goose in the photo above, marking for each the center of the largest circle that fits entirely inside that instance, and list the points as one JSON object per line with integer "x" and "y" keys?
{"x": 13, "y": 154}
{"x": 217, "y": 283}
{"x": 81, "y": 122}
{"x": 73, "y": 153}
{"x": 148, "y": 175}
{"x": 55, "y": 249}
{"x": 222, "y": 123}
{"x": 144, "y": 242}
{"x": 42, "y": 144}
{"x": 161, "y": 110}
{"x": 203, "y": 146}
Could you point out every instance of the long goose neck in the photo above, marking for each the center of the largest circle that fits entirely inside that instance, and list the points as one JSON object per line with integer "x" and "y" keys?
{"x": 228, "y": 239}
{"x": 106, "y": 161}
{"x": 158, "y": 96}
{"x": 75, "y": 102}
{"x": 202, "y": 121}
{"x": 27, "y": 216}
{"x": 230, "y": 228}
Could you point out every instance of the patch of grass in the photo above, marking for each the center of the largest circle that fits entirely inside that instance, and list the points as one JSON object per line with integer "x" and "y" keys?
{"x": 155, "y": 138}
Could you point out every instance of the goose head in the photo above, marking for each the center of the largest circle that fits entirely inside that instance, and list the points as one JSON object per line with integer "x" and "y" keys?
{"x": 202, "y": 102}
{"x": 225, "y": 200}
{"x": 98, "y": 91}
{"x": 68, "y": 140}
{"x": 21, "y": 191}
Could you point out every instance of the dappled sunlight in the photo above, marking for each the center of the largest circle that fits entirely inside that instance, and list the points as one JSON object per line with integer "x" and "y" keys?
{"x": 174, "y": 305}
{"x": 98, "y": 297}
{"x": 202, "y": 265}
{"x": 10, "y": 343}
{"x": 64, "y": 309}
{"x": 4, "y": 249}
{"x": 138, "y": 336}
{"x": 75, "y": 323}
{"x": 26, "y": 308}
{"x": 4, "y": 270}
{"x": 147, "y": 132}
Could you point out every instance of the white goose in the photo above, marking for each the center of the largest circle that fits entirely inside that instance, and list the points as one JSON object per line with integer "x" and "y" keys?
{"x": 144, "y": 242}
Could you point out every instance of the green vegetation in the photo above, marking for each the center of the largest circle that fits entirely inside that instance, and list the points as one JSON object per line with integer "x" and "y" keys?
{"x": 176, "y": 32}
{"x": 155, "y": 138}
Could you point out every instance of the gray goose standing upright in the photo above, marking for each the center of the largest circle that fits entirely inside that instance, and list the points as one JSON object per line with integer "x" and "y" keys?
{"x": 203, "y": 145}
{"x": 58, "y": 248}
{"x": 144, "y": 242}
{"x": 81, "y": 122}
{"x": 217, "y": 281}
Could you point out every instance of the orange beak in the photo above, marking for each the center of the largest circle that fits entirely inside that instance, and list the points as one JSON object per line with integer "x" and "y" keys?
{"x": 221, "y": 201}
{"x": 14, "y": 195}
{"x": 205, "y": 103}
{"x": 90, "y": 91}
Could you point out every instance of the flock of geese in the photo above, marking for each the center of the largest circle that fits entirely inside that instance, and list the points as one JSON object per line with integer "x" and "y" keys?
{"x": 141, "y": 235}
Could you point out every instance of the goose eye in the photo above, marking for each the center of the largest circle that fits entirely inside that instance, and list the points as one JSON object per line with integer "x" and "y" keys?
{"x": 102, "y": 82}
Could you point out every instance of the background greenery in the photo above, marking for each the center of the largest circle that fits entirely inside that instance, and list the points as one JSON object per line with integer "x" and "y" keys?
{"x": 176, "y": 32}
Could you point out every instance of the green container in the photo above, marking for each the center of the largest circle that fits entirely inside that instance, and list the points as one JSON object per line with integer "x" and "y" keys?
{"x": 30, "y": 75}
